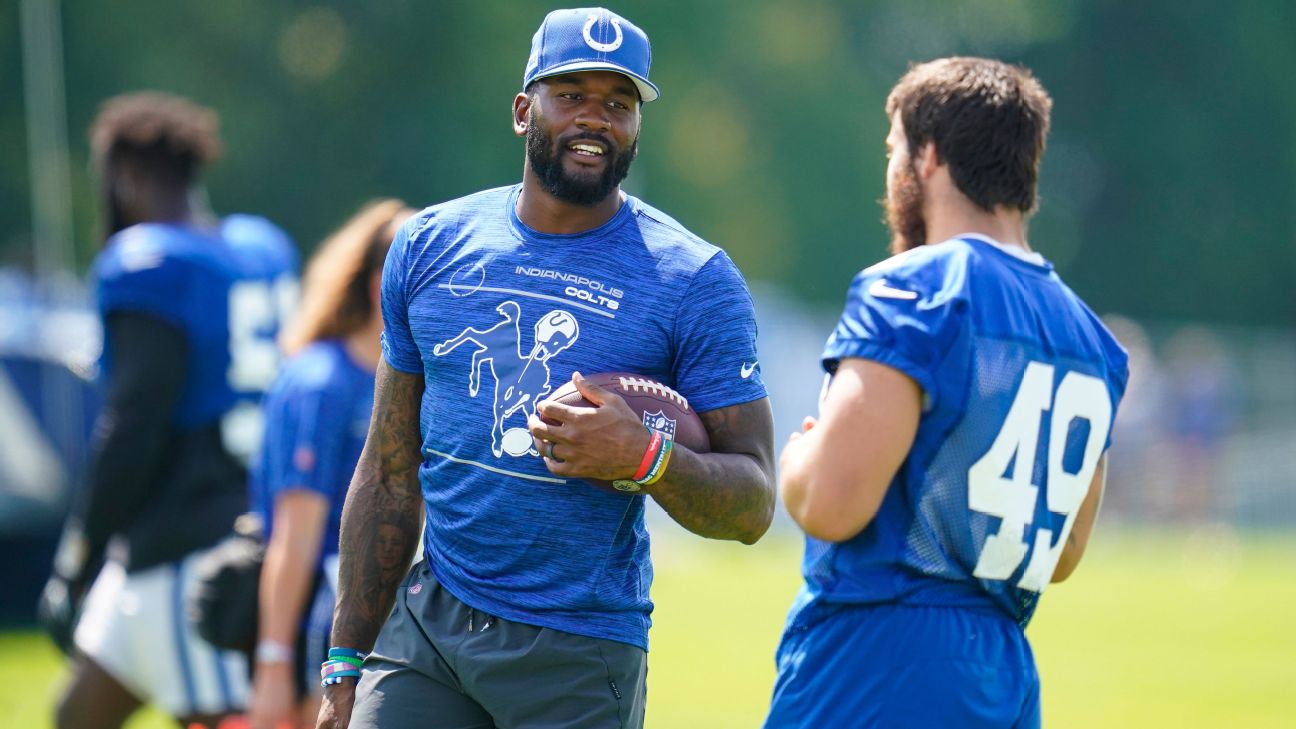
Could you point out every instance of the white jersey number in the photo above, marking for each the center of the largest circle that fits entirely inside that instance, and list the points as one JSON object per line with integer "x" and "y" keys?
{"x": 1013, "y": 499}
{"x": 257, "y": 311}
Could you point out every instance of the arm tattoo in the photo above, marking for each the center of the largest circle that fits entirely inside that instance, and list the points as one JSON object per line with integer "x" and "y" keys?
{"x": 381, "y": 517}
{"x": 728, "y": 493}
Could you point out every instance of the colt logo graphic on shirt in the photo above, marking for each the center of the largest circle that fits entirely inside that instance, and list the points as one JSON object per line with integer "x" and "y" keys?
{"x": 520, "y": 381}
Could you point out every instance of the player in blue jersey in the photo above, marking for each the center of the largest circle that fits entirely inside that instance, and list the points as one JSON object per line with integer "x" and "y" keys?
{"x": 163, "y": 485}
{"x": 317, "y": 415}
{"x": 958, "y": 460}
{"x": 531, "y": 605}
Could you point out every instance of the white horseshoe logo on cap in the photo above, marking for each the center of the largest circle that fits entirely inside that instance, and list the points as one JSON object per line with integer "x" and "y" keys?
{"x": 602, "y": 47}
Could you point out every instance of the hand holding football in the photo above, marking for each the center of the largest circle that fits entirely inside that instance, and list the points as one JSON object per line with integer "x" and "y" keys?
{"x": 595, "y": 425}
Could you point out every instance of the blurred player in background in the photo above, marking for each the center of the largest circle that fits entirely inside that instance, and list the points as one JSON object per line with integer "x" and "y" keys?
{"x": 531, "y": 607}
{"x": 960, "y": 453}
{"x": 185, "y": 321}
{"x": 317, "y": 415}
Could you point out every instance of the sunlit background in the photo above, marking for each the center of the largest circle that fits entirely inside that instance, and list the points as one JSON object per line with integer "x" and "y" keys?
{"x": 1168, "y": 204}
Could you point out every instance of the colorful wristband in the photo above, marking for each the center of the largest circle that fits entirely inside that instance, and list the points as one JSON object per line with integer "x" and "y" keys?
{"x": 338, "y": 668}
{"x": 650, "y": 457}
{"x": 335, "y": 670}
{"x": 336, "y": 652}
{"x": 659, "y": 466}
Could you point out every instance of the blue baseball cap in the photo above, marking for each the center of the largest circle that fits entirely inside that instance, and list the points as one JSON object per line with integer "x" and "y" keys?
{"x": 590, "y": 39}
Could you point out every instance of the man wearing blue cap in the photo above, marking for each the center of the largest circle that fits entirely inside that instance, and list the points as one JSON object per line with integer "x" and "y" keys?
{"x": 531, "y": 607}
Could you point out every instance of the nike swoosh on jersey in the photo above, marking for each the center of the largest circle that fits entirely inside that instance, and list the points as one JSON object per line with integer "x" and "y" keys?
{"x": 881, "y": 290}
{"x": 747, "y": 371}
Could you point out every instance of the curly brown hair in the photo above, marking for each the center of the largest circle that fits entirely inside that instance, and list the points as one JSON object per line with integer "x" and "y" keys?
{"x": 169, "y": 134}
{"x": 989, "y": 121}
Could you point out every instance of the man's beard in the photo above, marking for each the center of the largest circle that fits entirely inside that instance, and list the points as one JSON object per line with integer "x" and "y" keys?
{"x": 546, "y": 158}
{"x": 904, "y": 212}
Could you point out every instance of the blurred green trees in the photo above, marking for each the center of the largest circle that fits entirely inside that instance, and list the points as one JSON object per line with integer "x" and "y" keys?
{"x": 1169, "y": 187}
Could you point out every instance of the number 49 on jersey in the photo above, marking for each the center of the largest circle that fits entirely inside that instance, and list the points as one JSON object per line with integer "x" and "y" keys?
{"x": 1013, "y": 498}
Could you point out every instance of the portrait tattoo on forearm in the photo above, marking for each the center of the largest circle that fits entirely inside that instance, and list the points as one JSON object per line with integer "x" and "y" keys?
{"x": 380, "y": 520}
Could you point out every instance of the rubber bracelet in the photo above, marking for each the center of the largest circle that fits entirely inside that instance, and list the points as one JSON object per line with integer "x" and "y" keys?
{"x": 659, "y": 468}
{"x": 662, "y": 455}
{"x": 338, "y": 668}
{"x": 352, "y": 661}
{"x": 659, "y": 465}
{"x": 342, "y": 673}
{"x": 650, "y": 455}
{"x": 347, "y": 653}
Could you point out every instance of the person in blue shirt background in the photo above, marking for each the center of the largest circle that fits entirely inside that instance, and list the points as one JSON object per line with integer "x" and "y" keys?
{"x": 959, "y": 456}
{"x": 317, "y": 414}
{"x": 183, "y": 315}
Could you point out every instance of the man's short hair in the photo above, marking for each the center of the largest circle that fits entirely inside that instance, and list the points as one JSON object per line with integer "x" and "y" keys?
{"x": 988, "y": 120}
{"x": 168, "y": 134}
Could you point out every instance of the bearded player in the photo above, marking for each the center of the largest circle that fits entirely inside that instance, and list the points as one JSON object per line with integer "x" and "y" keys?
{"x": 959, "y": 457}
{"x": 531, "y": 607}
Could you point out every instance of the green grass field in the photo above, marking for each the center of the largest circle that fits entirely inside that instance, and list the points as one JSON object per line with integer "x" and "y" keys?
{"x": 1173, "y": 629}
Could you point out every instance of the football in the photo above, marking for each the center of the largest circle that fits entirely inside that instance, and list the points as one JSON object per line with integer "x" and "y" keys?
{"x": 660, "y": 407}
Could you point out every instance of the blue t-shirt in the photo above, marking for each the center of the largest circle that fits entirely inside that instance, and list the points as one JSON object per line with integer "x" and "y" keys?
{"x": 1021, "y": 382}
{"x": 317, "y": 416}
{"x": 182, "y": 275}
{"x": 495, "y": 316}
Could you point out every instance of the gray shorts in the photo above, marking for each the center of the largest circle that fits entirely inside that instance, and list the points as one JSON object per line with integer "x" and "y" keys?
{"x": 439, "y": 664}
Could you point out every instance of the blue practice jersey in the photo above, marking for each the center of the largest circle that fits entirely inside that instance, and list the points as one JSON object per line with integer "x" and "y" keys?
{"x": 189, "y": 277}
{"x": 317, "y": 416}
{"x": 260, "y": 303}
{"x": 182, "y": 275}
{"x": 228, "y": 296}
{"x": 1021, "y": 382}
{"x": 495, "y": 316}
